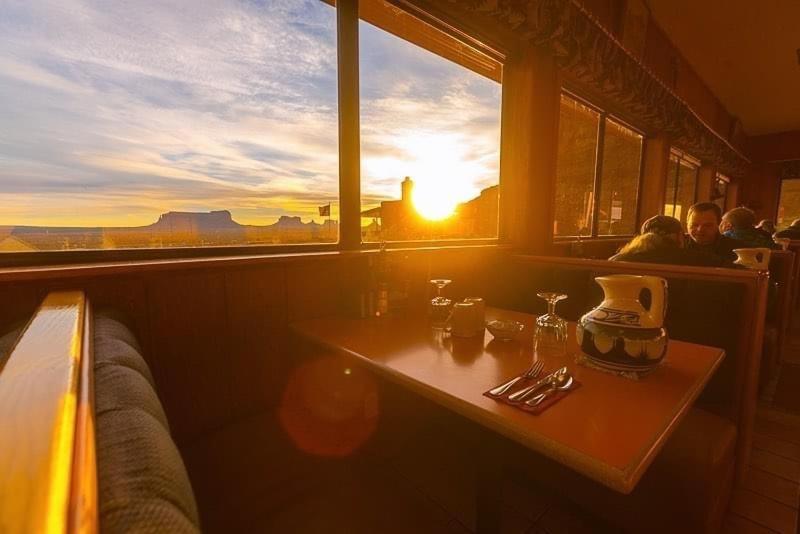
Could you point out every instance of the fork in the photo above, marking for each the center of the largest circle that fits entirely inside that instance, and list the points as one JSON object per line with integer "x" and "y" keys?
{"x": 532, "y": 372}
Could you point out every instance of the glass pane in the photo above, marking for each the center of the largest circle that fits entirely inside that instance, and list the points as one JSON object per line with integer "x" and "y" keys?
{"x": 789, "y": 205}
{"x": 577, "y": 150}
{"x": 619, "y": 185}
{"x": 669, "y": 196}
{"x": 687, "y": 185}
{"x": 179, "y": 125}
{"x": 430, "y": 136}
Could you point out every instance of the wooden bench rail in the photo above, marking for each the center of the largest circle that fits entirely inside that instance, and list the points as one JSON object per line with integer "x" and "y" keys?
{"x": 48, "y": 480}
{"x": 750, "y": 339}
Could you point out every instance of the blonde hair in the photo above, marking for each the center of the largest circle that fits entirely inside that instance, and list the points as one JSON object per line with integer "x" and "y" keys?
{"x": 647, "y": 242}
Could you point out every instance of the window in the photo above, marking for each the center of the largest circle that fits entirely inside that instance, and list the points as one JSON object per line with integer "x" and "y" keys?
{"x": 681, "y": 184}
{"x": 595, "y": 197}
{"x": 789, "y": 203}
{"x": 430, "y": 131}
{"x": 173, "y": 125}
{"x": 719, "y": 195}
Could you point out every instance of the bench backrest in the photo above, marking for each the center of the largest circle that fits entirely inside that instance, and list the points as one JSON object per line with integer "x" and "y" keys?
{"x": 711, "y": 306}
{"x": 48, "y": 479}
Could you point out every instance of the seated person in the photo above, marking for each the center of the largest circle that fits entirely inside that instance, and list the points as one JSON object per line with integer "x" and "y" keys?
{"x": 661, "y": 241}
{"x": 741, "y": 225}
{"x": 793, "y": 232}
{"x": 703, "y": 221}
{"x": 766, "y": 226}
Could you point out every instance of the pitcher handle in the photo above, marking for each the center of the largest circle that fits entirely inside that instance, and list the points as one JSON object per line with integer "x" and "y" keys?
{"x": 658, "y": 298}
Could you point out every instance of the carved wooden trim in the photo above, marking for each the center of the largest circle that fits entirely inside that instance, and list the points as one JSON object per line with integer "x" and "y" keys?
{"x": 593, "y": 57}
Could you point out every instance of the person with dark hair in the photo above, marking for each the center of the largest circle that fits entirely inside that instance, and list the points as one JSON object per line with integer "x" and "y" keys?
{"x": 741, "y": 224}
{"x": 703, "y": 222}
{"x": 792, "y": 232}
{"x": 661, "y": 241}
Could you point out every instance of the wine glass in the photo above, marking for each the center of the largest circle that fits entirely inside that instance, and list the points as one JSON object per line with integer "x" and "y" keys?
{"x": 550, "y": 336}
{"x": 440, "y": 305}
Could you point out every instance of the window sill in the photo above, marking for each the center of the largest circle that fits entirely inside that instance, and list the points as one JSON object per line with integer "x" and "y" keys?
{"x": 150, "y": 265}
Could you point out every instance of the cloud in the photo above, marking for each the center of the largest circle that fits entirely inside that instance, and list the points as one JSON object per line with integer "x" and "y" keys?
{"x": 116, "y": 112}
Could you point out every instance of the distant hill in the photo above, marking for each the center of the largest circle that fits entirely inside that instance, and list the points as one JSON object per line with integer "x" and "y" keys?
{"x": 174, "y": 228}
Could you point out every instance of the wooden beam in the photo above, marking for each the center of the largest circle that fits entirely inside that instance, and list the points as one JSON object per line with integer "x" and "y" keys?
{"x": 529, "y": 149}
{"x": 42, "y": 396}
{"x": 705, "y": 182}
{"x": 654, "y": 177}
{"x": 349, "y": 125}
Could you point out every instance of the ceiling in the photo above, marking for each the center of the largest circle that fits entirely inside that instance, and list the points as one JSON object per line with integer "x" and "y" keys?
{"x": 745, "y": 51}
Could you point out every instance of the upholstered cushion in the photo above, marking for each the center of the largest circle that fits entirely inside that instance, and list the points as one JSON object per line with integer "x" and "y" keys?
{"x": 119, "y": 388}
{"x": 116, "y": 351}
{"x": 141, "y": 471}
{"x": 109, "y": 323}
{"x": 148, "y": 516}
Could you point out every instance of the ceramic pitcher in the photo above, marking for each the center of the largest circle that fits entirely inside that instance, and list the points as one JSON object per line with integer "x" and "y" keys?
{"x": 753, "y": 258}
{"x": 622, "y": 333}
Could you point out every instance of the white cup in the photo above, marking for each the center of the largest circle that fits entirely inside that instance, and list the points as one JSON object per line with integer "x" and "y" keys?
{"x": 479, "y": 313}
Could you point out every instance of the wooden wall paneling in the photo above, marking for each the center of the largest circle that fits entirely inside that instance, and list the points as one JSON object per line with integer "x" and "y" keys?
{"x": 705, "y": 182}
{"x": 654, "y": 177}
{"x": 257, "y": 349}
{"x": 316, "y": 289}
{"x": 760, "y": 190}
{"x": 660, "y": 55}
{"x": 20, "y": 301}
{"x": 775, "y": 147}
{"x": 608, "y": 13}
{"x": 732, "y": 200}
{"x": 691, "y": 88}
{"x": 189, "y": 337}
{"x": 528, "y": 148}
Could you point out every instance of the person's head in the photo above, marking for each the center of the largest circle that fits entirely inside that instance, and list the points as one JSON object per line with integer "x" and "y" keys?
{"x": 664, "y": 226}
{"x": 740, "y": 218}
{"x": 702, "y": 221}
{"x": 658, "y": 232}
{"x": 767, "y": 225}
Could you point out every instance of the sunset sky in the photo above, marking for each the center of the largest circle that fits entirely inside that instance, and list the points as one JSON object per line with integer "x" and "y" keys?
{"x": 115, "y": 112}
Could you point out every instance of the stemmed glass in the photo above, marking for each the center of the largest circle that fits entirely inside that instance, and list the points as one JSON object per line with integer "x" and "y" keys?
{"x": 440, "y": 305}
{"x": 550, "y": 337}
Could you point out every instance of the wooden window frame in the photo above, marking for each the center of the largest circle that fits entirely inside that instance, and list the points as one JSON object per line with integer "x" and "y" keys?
{"x": 598, "y": 170}
{"x": 696, "y": 163}
{"x": 780, "y": 194}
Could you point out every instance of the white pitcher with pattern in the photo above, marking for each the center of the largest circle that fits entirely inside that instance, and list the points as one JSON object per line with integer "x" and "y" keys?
{"x": 623, "y": 333}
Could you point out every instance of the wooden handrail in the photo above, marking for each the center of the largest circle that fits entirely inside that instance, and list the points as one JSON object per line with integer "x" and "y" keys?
{"x": 48, "y": 479}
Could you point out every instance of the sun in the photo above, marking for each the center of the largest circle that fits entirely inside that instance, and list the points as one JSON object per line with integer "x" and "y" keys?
{"x": 443, "y": 175}
{"x": 432, "y": 203}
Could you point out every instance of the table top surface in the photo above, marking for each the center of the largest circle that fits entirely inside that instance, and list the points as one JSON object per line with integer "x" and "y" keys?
{"x": 609, "y": 429}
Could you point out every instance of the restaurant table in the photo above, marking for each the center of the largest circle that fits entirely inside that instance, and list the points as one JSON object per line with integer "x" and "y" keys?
{"x": 609, "y": 429}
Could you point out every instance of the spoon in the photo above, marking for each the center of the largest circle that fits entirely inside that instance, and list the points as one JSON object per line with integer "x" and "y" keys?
{"x": 522, "y": 394}
{"x": 560, "y": 383}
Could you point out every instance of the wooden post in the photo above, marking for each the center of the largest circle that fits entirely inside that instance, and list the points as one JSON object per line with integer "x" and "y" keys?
{"x": 654, "y": 177}
{"x": 528, "y": 149}
{"x": 705, "y": 183}
{"x": 349, "y": 125}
